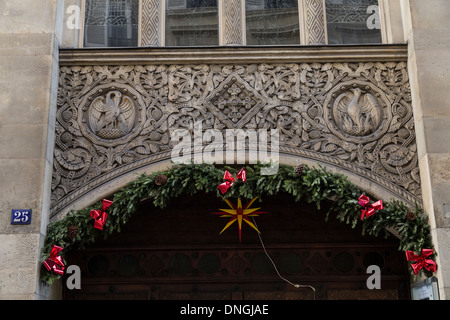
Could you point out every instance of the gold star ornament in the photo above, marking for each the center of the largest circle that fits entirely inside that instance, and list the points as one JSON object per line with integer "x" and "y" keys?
{"x": 239, "y": 213}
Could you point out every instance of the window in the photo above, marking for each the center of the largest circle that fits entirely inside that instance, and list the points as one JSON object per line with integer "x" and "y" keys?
{"x": 196, "y": 23}
{"x": 272, "y": 22}
{"x": 111, "y": 23}
{"x": 191, "y": 23}
{"x": 353, "y": 21}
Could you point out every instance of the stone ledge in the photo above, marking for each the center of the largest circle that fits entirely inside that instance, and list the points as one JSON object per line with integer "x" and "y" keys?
{"x": 235, "y": 55}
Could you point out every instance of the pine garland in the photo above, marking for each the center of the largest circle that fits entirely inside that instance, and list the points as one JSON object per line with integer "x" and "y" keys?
{"x": 314, "y": 185}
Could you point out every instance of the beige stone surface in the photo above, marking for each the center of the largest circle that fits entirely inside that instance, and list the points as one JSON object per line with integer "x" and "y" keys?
{"x": 27, "y": 16}
{"x": 427, "y": 30}
{"x": 29, "y": 40}
{"x": 18, "y": 266}
{"x": 430, "y": 14}
{"x": 20, "y": 190}
{"x": 393, "y": 21}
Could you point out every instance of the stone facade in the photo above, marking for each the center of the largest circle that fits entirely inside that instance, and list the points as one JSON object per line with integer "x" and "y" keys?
{"x": 55, "y": 153}
{"x": 28, "y": 82}
{"x": 427, "y": 29}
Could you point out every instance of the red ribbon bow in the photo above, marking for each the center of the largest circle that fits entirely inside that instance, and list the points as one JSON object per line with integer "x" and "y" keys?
{"x": 370, "y": 209}
{"x": 100, "y": 216}
{"x": 223, "y": 187}
{"x": 55, "y": 262}
{"x": 421, "y": 261}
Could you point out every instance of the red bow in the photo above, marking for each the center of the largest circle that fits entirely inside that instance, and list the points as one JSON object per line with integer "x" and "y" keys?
{"x": 421, "y": 261}
{"x": 100, "y": 216}
{"x": 370, "y": 209}
{"x": 55, "y": 262}
{"x": 223, "y": 187}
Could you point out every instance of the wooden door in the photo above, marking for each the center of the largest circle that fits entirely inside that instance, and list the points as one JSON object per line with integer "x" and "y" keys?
{"x": 177, "y": 253}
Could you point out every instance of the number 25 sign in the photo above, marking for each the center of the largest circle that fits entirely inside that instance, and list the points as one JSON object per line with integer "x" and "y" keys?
{"x": 21, "y": 216}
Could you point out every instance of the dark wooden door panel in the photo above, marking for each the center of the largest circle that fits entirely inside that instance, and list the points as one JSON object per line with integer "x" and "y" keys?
{"x": 177, "y": 253}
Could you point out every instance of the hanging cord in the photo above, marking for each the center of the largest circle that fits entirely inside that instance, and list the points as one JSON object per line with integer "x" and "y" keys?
{"x": 296, "y": 285}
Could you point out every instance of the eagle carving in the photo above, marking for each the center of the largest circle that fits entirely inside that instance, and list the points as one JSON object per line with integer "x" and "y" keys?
{"x": 357, "y": 113}
{"x": 112, "y": 115}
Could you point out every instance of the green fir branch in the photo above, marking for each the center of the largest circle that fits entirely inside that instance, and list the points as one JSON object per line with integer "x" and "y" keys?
{"x": 315, "y": 185}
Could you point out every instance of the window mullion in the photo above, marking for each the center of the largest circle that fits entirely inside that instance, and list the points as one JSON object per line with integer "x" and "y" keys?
{"x": 151, "y": 23}
{"x": 313, "y": 22}
{"x": 231, "y": 22}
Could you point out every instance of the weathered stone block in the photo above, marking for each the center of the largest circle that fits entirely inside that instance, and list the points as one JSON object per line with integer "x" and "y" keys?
{"x": 18, "y": 265}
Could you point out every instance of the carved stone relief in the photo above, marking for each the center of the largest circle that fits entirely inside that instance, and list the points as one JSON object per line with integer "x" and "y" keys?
{"x": 150, "y": 22}
{"x": 115, "y": 119}
{"x": 232, "y": 23}
{"x": 314, "y": 21}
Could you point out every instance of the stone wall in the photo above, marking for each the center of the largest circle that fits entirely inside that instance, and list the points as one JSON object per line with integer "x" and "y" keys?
{"x": 427, "y": 30}
{"x": 29, "y": 40}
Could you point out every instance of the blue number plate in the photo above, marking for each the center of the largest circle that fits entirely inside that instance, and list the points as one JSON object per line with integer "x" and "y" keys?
{"x": 21, "y": 216}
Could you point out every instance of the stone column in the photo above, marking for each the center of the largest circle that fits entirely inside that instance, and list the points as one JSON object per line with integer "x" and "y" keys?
{"x": 151, "y": 23}
{"x": 28, "y": 93}
{"x": 313, "y": 29}
{"x": 427, "y": 30}
{"x": 231, "y": 22}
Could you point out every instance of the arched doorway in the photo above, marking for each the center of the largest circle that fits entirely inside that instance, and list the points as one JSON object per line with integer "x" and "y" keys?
{"x": 177, "y": 253}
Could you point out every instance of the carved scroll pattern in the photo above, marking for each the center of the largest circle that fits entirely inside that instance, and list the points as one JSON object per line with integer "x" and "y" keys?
{"x": 354, "y": 116}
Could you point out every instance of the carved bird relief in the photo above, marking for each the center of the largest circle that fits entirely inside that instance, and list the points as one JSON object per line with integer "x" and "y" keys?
{"x": 357, "y": 114}
{"x": 111, "y": 116}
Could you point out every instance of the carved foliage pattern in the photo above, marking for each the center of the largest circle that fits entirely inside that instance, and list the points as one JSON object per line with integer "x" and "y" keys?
{"x": 354, "y": 115}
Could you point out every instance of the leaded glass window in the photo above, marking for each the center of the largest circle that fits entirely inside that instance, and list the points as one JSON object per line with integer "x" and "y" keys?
{"x": 272, "y": 22}
{"x": 191, "y": 23}
{"x": 353, "y": 21}
{"x": 111, "y": 23}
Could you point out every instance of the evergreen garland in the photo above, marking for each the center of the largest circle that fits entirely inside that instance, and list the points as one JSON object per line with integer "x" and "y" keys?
{"x": 314, "y": 185}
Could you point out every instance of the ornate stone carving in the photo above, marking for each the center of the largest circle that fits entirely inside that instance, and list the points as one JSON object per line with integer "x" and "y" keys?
{"x": 232, "y": 22}
{"x": 150, "y": 22}
{"x": 111, "y": 114}
{"x": 356, "y": 111}
{"x": 314, "y": 21}
{"x": 112, "y": 120}
{"x": 234, "y": 102}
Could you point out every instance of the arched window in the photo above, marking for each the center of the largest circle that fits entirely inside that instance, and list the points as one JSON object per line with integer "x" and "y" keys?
{"x": 353, "y": 21}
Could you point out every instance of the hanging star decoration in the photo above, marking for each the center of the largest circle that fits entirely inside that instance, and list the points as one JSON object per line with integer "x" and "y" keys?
{"x": 240, "y": 213}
